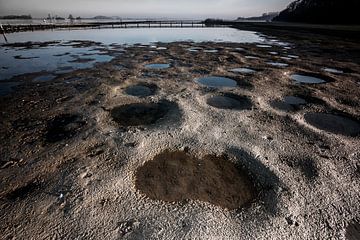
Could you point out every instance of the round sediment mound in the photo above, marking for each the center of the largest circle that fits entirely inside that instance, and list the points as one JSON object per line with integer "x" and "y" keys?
{"x": 177, "y": 176}
{"x": 333, "y": 123}
{"x": 230, "y": 101}
{"x": 137, "y": 114}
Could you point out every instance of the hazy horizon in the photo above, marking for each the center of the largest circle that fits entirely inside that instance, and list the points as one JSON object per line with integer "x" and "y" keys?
{"x": 227, "y": 9}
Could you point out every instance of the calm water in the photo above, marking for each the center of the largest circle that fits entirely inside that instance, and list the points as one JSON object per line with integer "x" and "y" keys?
{"x": 158, "y": 65}
{"x": 217, "y": 82}
{"x": 307, "y": 79}
{"x": 142, "y": 36}
{"x": 243, "y": 70}
{"x": 63, "y": 57}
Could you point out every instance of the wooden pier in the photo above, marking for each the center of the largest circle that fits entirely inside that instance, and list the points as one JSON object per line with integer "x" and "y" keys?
{"x": 126, "y": 24}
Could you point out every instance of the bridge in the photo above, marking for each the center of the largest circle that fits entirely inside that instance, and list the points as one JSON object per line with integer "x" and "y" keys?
{"x": 9, "y": 28}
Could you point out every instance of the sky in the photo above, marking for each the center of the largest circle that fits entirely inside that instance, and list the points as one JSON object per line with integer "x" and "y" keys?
{"x": 192, "y": 9}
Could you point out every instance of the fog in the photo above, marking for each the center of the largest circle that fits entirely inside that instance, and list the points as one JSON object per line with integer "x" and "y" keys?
{"x": 195, "y": 9}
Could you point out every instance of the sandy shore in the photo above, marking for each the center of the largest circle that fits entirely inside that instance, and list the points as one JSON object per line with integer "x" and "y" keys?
{"x": 69, "y": 163}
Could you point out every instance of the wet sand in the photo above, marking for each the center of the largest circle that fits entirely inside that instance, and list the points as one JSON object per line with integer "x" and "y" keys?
{"x": 70, "y": 154}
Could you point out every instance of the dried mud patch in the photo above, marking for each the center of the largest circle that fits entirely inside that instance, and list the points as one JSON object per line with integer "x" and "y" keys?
{"x": 23, "y": 191}
{"x": 139, "y": 114}
{"x": 177, "y": 176}
{"x": 230, "y": 101}
{"x": 333, "y": 123}
{"x": 62, "y": 127}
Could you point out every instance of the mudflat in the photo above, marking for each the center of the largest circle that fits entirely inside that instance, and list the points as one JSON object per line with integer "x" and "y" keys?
{"x": 87, "y": 156}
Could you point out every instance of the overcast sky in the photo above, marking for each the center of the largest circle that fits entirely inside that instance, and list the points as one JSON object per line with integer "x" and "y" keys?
{"x": 143, "y": 8}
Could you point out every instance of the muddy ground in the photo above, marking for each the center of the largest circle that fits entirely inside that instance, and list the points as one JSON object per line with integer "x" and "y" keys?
{"x": 73, "y": 150}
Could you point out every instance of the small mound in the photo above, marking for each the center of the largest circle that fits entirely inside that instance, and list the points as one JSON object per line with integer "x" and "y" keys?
{"x": 333, "y": 123}
{"x": 138, "y": 114}
{"x": 178, "y": 176}
{"x": 230, "y": 101}
{"x": 63, "y": 127}
{"x": 141, "y": 90}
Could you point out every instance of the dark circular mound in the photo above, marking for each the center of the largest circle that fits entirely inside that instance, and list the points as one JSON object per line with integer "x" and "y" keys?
{"x": 333, "y": 123}
{"x": 141, "y": 90}
{"x": 63, "y": 127}
{"x": 230, "y": 101}
{"x": 137, "y": 114}
{"x": 178, "y": 176}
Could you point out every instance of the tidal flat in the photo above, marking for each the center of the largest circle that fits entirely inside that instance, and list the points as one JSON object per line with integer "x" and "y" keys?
{"x": 99, "y": 145}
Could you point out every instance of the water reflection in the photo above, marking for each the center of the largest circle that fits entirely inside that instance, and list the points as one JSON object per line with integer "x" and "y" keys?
{"x": 307, "y": 79}
{"x": 142, "y": 36}
{"x": 59, "y": 58}
{"x": 217, "y": 82}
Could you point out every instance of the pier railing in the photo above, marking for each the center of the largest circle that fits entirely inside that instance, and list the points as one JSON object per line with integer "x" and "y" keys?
{"x": 128, "y": 24}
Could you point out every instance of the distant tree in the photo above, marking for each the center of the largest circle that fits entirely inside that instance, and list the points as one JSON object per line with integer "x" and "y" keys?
{"x": 71, "y": 18}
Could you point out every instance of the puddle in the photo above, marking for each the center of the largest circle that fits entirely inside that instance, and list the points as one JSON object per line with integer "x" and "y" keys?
{"x": 288, "y": 104}
{"x": 274, "y": 53}
{"x": 158, "y": 65}
{"x": 7, "y": 87}
{"x": 63, "y": 70}
{"x": 278, "y": 64}
{"x": 178, "y": 176}
{"x": 281, "y": 105}
{"x": 333, "y": 123}
{"x": 211, "y": 51}
{"x": 194, "y": 49}
{"x": 264, "y": 46}
{"x": 138, "y": 114}
{"x": 161, "y": 48}
{"x": 63, "y": 127}
{"x": 332, "y": 70}
{"x": 286, "y": 58}
{"x": 293, "y": 56}
{"x": 251, "y": 57}
{"x": 141, "y": 90}
{"x": 230, "y": 101}
{"x": 216, "y": 82}
{"x": 294, "y": 100}
{"x": 44, "y": 78}
{"x": 243, "y": 70}
{"x": 300, "y": 78}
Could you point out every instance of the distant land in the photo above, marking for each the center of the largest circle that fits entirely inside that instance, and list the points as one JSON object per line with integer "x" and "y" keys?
{"x": 321, "y": 12}
{"x": 16, "y": 17}
{"x": 265, "y": 17}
